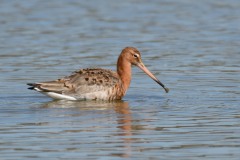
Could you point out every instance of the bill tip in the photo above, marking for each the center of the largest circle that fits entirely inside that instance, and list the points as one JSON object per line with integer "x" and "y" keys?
{"x": 166, "y": 89}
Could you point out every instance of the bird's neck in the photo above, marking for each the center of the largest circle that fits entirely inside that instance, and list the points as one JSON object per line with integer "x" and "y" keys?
{"x": 124, "y": 71}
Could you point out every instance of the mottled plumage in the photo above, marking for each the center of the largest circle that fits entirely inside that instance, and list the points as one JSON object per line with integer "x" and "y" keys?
{"x": 96, "y": 83}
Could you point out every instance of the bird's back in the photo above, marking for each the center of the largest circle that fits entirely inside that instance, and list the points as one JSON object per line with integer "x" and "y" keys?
{"x": 92, "y": 83}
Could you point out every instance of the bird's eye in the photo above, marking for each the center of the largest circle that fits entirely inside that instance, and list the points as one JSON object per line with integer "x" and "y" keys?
{"x": 135, "y": 56}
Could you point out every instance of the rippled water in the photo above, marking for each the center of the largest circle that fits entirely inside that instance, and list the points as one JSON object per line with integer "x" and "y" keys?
{"x": 193, "y": 47}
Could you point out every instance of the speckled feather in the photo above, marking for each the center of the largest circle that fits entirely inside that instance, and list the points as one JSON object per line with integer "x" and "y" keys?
{"x": 96, "y": 83}
{"x": 85, "y": 84}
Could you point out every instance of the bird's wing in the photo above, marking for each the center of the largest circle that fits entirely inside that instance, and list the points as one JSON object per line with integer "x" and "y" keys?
{"x": 80, "y": 82}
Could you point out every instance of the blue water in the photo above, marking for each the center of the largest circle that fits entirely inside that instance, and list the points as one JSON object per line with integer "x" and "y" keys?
{"x": 192, "y": 47}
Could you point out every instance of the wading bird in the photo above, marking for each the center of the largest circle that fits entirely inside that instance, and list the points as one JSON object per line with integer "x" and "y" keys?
{"x": 96, "y": 83}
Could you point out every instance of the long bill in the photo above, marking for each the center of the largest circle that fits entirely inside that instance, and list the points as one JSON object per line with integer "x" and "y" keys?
{"x": 142, "y": 67}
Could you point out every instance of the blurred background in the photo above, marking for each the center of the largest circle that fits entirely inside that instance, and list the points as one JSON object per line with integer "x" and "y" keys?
{"x": 191, "y": 46}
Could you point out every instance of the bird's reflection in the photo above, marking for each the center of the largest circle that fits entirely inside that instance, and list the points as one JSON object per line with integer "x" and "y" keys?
{"x": 82, "y": 105}
{"x": 122, "y": 115}
{"x": 125, "y": 124}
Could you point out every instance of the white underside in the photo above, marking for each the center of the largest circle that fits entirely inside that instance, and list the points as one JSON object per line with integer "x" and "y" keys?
{"x": 59, "y": 96}
{"x": 100, "y": 95}
{"x": 56, "y": 95}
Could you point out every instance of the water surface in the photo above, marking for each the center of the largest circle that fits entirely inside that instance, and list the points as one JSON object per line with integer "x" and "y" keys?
{"x": 192, "y": 47}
